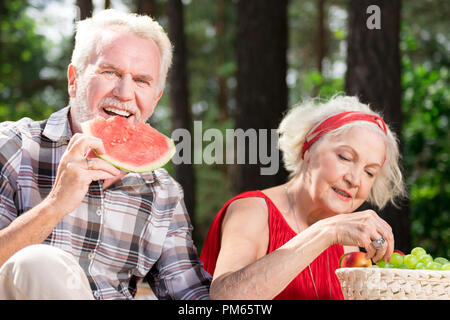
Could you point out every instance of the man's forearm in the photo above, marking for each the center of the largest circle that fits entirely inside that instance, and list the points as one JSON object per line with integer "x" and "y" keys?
{"x": 29, "y": 228}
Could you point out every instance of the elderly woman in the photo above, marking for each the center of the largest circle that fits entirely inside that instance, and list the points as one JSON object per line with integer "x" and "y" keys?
{"x": 285, "y": 242}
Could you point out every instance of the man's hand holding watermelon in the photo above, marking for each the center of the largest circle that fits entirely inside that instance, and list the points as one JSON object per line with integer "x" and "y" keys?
{"x": 75, "y": 173}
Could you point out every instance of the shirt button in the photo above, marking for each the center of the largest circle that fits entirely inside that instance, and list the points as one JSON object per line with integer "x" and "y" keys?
{"x": 99, "y": 211}
{"x": 96, "y": 294}
{"x": 91, "y": 256}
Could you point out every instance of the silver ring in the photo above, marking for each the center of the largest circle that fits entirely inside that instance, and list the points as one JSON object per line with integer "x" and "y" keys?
{"x": 89, "y": 163}
{"x": 378, "y": 244}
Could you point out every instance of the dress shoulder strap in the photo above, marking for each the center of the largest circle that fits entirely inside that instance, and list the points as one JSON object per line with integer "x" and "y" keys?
{"x": 211, "y": 247}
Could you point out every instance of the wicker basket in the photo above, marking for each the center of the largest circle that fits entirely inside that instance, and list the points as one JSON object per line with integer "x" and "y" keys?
{"x": 394, "y": 284}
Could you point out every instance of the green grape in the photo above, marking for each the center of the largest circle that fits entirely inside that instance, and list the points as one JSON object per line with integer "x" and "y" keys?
{"x": 381, "y": 263}
{"x": 418, "y": 251}
{"x": 402, "y": 266}
{"x": 388, "y": 265}
{"x": 410, "y": 260}
{"x": 446, "y": 267}
{"x": 396, "y": 259}
{"x": 426, "y": 259}
{"x": 421, "y": 265}
{"x": 441, "y": 260}
{"x": 433, "y": 266}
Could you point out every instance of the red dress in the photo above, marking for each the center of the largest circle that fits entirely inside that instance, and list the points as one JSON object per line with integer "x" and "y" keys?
{"x": 301, "y": 288}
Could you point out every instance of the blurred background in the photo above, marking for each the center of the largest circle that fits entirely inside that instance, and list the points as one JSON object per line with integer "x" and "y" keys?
{"x": 243, "y": 64}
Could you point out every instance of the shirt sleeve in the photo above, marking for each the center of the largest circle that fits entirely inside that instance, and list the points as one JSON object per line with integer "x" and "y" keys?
{"x": 178, "y": 274}
{"x": 9, "y": 159}
{"x": 8, "y": 211}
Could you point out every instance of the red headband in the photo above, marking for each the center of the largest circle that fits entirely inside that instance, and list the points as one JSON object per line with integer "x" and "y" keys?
{"x": 338, "y": 120}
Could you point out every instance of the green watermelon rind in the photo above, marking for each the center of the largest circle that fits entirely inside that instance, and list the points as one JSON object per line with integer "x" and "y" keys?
{"x": 127, "y": 166}
{"x": 142, "y": 169}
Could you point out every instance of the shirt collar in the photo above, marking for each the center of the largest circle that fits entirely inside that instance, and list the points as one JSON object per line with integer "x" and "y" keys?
{"x": 57, "y": 127}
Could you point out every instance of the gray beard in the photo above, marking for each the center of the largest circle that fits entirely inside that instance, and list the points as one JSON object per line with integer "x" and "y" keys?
{"x": 80, "y": 112}
{"x": 79, "y": 109}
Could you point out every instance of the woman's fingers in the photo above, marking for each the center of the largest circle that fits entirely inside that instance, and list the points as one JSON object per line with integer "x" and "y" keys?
{"x": 385, "y": 230}
{"x": 390, "y": 246}
{"x": 379, "y": 248}
{"x": 382, "y": 241}
{"x": 361, "y": 228}
{"x": 370, "y": 250}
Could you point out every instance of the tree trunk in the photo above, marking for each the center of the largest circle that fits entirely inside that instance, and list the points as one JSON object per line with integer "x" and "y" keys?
{"x": 85, "y": 7}
{"x": 84, "y": 11}
{"x": 181, "y": 114}
{"x": 147, "y": 7}
{"x": 374, "y": 75}
{"x": 321, "y": 43}
{"x": 261, "y": 82}
{"x": 222, "y": 100}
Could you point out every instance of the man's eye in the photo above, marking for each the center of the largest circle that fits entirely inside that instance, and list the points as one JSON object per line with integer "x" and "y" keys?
{"x": 142, "y": 82}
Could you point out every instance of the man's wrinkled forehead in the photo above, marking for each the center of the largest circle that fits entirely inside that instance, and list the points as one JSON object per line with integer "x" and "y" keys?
{"x": 107, "y": 38}
{"x": 104, "y": 38}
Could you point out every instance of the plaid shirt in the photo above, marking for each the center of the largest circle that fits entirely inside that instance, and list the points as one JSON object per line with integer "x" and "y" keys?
{"x": 137, "y": 227}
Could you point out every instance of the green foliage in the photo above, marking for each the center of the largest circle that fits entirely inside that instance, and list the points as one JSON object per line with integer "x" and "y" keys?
{"x": 304, "y": 79}
{"x": 22, "y": 57}
{"x": 210, "y": 53}
{"x": 426, "y": 135}
{"x": 321, "y": 86}
{"x": 426, "y": 138}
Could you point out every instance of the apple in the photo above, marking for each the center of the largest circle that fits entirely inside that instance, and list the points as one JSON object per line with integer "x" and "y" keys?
{"x": 399, "y": 252}
{"x": 354, "y": 259}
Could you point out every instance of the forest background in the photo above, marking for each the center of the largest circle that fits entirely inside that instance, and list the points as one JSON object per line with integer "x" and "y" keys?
{"x": 243, "y": 64}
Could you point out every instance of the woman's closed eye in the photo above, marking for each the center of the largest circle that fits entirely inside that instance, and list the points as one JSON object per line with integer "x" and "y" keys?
{"x": 370, "y": 174}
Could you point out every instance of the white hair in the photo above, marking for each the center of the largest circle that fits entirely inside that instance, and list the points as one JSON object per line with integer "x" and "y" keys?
{"x": 298, "y": 122}
{"x": 89, "y": 30}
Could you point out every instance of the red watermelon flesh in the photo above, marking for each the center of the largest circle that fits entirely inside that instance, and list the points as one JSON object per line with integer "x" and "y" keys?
{"x": 134, "y": 148}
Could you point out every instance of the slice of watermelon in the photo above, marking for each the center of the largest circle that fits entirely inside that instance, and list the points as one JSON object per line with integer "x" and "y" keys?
{"x": 133, "y": 148}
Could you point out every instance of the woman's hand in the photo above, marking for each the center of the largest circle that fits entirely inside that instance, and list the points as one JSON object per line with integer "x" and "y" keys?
{"x": 75, "y": 173}
{"x": 360, "y": 229}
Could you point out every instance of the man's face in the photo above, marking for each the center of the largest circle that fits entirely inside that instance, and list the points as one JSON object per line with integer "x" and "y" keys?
{"x": 121, "y": 78}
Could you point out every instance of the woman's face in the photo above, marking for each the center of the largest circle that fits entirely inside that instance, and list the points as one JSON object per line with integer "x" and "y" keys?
{"x": 342, "y": 169}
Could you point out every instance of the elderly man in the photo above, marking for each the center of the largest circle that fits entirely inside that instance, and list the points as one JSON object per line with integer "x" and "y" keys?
{"x": 73, "y": 229}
